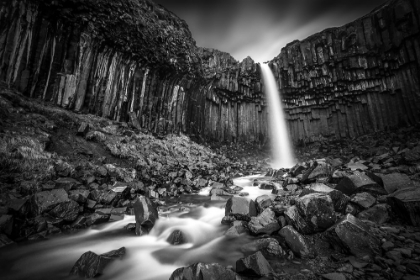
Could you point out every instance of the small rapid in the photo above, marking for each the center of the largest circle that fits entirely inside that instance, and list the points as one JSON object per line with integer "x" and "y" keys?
{"x": 281, "y": 147}
{"x": 148, "y": 257}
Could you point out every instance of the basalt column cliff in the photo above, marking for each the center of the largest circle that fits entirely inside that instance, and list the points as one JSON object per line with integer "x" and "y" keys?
{"x": 134, "y": 61}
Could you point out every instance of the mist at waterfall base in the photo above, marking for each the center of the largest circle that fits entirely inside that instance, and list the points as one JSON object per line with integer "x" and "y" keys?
{"x": 147, "y": 257}
{"x": 281, "y": 148}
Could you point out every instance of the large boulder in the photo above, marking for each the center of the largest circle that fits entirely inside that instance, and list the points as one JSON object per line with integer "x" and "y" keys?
{"x": 262, "y": 202}
{"x": 296, "y": 242}
{"x": 176, "y": 238}
{"x": 202, "y": 271}
{"x": 359, "y": 182}
{"x": 319, "y": 170}
{"x": 254, "y": 266}
{"x": 396, "y": 181}
{"x": 90, "y": 264}
{"x": 146, "y": 215}
{"x": 265, "y": 222}
{"x": 46, "y": 200}
{"x": 406, "y": 203}
{"x": 317, "y": 210}
{"x": 103, "y": 197}
{"x": 353, "y": 236}
{"x": 296, "y": 220}
{"x": 241, "y": 208}
{"x": 338, "y": 198}
{"x": 237, "y": 228}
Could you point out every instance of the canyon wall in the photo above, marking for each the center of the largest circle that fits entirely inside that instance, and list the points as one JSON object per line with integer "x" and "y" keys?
{"x": 134, "y": 61}
{"x": 354, "y": 79}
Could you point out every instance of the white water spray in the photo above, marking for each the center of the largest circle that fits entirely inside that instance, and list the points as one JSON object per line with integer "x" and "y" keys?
{"x": 280, "y": 142}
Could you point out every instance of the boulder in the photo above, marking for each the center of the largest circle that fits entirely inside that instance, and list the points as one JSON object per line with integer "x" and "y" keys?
{"x": 176, "y": 238}
{"x": 364, "y": 200}
{"x": 378, "y": 214}
{"x": 406, "y": 203}
{"x": 68, "y": 211}
{"x": 90, "y": 264}
{"x": 317, "y": 210}
{"x": 146, "y": 215}
{"x": 262, "y": 202}
{"x": 338, "y": 198}
{"x": 46, "y": 200}
{"x": 254, "y": 266}
{"x": 296, "y": 242}
{"x": 265, "y": 222}
{"x": 396, "y": 181}
{"x": 241, "y": 208}
{"x": 103, "y": 197}
{"x": 359, "y": 182}
{"x": 203, "y": 271}
{"x": 295, "y": 219}
{"x": 353, "y": 236}
{"x": 320, "y": 169}
{"x": 412, "y": 155}
{"x": 269, "y": 247}
{"x": 237, "y": 228}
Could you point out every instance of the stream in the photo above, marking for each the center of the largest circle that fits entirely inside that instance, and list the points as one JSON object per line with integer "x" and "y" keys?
{"x": 147, "y": 257}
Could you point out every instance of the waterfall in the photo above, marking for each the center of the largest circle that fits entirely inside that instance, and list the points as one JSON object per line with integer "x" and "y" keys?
{"x": 282, "y": 152}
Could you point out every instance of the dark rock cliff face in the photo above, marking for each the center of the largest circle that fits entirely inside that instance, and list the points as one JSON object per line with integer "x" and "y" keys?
{"x": 354, "y": 79}
{"x": 134, "y": 60}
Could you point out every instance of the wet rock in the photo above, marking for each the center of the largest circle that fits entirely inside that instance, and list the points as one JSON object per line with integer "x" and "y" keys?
{"x": 146, "y": 215}
{"x": 262, "y": 202}
{"x": 202, "y": 271}
{"x": 406, "y": 203}
{"x": 94, "y": 219}
{"x": 378, "y": 214}
{"x": 265, "y": 222}
{"x": 176, "y": 238}
{"x": 396, "y": 181}
{"x": 67, "y": 211}
{"x": 46, "y": 200}
{"x": 254, "y": 265}
{"x": 241, "y": 208}
{"x": 295, "y": 219}
{"x": 353, "y": 236}
{"x": 269, "y": 247}
{"x": 364, "y": 199}
{"x": 237, "y": 228}
{"x": 317, "y": 210}
{"x": 90, "y": 264}
{"x": 296, "y": 242}
{"x": 359, "y": 182}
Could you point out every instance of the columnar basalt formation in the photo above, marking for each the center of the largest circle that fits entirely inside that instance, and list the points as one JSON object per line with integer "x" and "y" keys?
{"x": 354, "y": 79}
{"x": 135, "y": 61}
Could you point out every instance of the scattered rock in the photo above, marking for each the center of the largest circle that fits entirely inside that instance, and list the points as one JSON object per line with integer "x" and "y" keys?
{"x": 396, "y": 181}
{"x": 378, "y": 214}
{"x": 241, "y": 208}
{"x": 68, "y": 211}
{"x": 359, "y": 182}
{"x": 46, "y": 200}
{"x": 202, "y": 271}
{"x": 364, "y": 199}
{"x": 317, "y": 210}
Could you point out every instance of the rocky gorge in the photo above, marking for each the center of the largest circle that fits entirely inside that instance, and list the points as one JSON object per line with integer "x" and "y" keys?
{"x": 110, "y": 115}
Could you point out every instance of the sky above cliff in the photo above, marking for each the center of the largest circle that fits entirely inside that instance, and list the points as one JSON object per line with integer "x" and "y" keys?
{"x": 260, "y": 28}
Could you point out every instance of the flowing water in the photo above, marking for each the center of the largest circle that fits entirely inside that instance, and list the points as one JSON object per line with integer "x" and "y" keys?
{"x": 281, "y": 147}
{"x": 147, "y": 257}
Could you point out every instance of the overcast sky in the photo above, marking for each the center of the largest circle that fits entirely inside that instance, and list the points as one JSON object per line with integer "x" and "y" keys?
{"x": 260, "y": 28}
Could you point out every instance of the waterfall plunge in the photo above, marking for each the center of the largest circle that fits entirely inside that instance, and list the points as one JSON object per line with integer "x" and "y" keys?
{"x": 282, "y": 152}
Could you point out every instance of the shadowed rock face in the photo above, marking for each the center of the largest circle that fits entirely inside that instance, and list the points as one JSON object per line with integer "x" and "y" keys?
{"x": 135, "y": 61}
